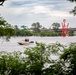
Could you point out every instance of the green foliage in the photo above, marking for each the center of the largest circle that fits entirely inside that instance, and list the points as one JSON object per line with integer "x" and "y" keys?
{"x": 23, "y": 32}
{"x": 56, "y": 26}
{"x": 2, "y": 1}
{"x": 33, "y": 61}
{"x": 6, "y": 29}
{"x": 69, "y": 58}
{"x": 38, "y": 56}
{"x": 36, "y": 27}
{"x": 50, "y": 33}
{"x": 11, "y": 64}
{"x": 55, "y": 33}
{"x": 45, "y": 33}
{"x": 71, "y": 33}
{"x": 38, "y": 61}
{"x": 72, "y": 0}
{"x": 73, "y": 11}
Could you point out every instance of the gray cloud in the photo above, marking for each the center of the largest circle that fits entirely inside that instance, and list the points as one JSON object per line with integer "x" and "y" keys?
{"x": 19, "y": 12}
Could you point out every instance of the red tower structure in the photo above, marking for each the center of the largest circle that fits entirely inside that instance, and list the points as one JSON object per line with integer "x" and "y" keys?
{"x": 64, "y": 28}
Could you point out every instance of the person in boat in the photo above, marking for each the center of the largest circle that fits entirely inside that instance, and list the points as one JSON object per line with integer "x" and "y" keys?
{"x": 27, "y": 40}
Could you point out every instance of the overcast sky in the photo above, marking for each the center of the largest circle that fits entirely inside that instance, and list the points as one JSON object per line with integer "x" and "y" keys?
{"x": 47, "y": 12}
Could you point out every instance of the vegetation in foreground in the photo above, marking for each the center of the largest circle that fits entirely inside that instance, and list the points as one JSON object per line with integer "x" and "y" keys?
{"x": 53, "y": 59}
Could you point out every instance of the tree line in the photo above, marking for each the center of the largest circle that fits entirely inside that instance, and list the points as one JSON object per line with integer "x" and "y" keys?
{"x": 36, "y": 29}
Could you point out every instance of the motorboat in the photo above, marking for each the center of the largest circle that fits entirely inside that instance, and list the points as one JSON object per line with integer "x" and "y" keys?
{"x": 25, "y": 42}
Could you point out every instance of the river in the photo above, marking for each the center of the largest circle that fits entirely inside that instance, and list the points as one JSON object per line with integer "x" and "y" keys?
{"x": 13, "y": 45}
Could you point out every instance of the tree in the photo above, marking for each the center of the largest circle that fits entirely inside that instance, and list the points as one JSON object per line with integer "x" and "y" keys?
{"x": 16, "y": 27}
{"x": 56, "y": 26}
{"x": 36, "y": 27}
{"x": 34, "y": 61}
{"x": 72, "y": 0}
{"x": 73, "y": 11}
{"x": 69, "y": 59}
{"x": 40, "y": 55}
{"x": 71, "y": 33}
{"x": 6, "y": 29}
{"x": 43, "y": 29}
{"x": 2, "y": 1}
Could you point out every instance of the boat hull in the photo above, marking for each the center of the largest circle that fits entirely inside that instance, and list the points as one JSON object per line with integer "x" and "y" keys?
{"x": 23, "y": 43}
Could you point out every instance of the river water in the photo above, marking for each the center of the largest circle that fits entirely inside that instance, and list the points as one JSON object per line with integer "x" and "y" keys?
{"x": 14, "y": 46}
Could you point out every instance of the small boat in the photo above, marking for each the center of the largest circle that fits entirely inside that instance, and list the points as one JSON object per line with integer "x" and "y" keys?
{"x": 26, "y": 42}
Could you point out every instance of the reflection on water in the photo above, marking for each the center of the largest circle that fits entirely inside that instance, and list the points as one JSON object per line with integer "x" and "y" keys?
{"x": 14, "y": 46}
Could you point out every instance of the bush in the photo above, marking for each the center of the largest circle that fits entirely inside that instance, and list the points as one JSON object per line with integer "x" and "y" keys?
{"x": 37, "y": 60}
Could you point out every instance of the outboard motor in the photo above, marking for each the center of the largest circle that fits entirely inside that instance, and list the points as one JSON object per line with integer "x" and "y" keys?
{"x": 31, "y": 41}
